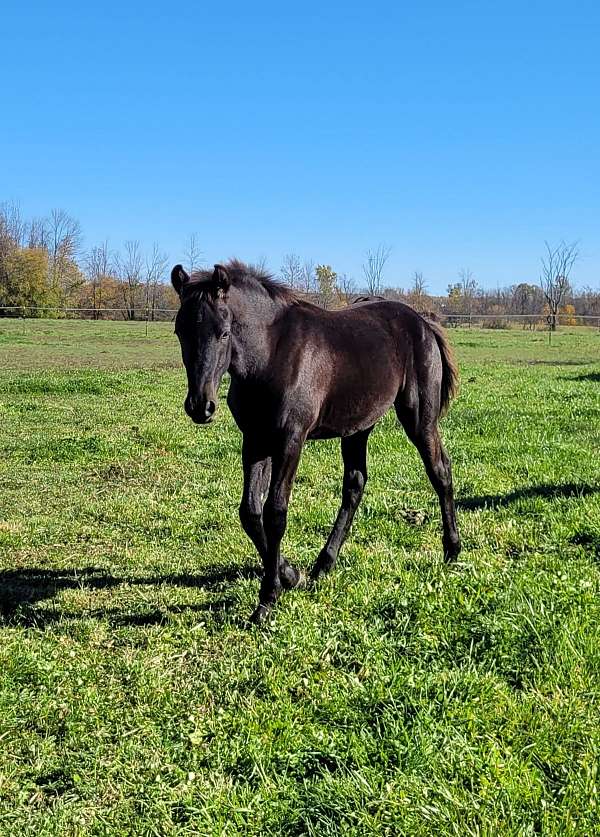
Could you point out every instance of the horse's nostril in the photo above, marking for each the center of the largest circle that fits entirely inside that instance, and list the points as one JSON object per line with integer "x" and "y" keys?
{"x": 210, "y": 408}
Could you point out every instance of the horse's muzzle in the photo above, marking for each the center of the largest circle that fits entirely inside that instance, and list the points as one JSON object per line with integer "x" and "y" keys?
{"x": 200, "y": 412}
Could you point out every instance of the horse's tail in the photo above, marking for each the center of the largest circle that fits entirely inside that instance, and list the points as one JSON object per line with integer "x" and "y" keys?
{"x": 449, "y": 366}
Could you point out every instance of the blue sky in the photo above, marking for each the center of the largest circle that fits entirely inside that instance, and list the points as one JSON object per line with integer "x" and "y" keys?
{"x": 460, "y": 134}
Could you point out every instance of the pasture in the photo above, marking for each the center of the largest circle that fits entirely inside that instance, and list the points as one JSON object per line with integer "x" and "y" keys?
{"x": 400, "y": 697}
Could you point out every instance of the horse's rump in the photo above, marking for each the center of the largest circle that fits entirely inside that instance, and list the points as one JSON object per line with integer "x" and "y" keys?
{"x": 449, "y": 383}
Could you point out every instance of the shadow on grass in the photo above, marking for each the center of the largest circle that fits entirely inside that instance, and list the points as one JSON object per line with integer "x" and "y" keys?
{"x": 590, "y": 542}
{"x": 557, "y": 362}
{"x": 27, "y": 616}
{"x": 20, "y": 589}
{"x": 588, "y": 376}
{"x": 546, "y": 491}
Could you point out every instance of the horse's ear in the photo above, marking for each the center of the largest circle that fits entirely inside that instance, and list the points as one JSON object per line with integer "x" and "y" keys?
{"x": 179, "y": 278}
{"x": 221, "y": 281}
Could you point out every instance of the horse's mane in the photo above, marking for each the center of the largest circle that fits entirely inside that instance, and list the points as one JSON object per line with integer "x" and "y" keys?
{"x": 250, "y": 275}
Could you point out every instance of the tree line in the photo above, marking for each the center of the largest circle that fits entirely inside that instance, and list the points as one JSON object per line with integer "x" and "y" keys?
{"x": 550, "y": 301}
{"x": 44, "y": 269}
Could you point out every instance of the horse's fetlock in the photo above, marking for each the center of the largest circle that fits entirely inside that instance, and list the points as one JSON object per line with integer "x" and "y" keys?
{"x": 325, "y": 560}
{"x": 452, "y": 548}
{"x": 356, "y": 480}
{"x": 270, "y": 591}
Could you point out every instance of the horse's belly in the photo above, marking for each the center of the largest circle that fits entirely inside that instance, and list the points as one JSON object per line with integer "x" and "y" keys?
{"x": 342, "y": 416}
{"x": 323, "y": 433}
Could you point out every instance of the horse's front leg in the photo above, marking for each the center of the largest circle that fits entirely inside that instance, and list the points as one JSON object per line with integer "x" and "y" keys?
{"x": 278, "y": 573}
{"x": 257, "y": 479}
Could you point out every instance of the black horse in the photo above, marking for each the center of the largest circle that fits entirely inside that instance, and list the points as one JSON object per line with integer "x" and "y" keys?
{"x": 299, "y": 372}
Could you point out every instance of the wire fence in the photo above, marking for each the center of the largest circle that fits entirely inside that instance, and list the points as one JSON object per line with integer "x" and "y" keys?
{"x": 532, "y": 321}
{"x": 539, "y": 322}
{"x": 62, "y": 312}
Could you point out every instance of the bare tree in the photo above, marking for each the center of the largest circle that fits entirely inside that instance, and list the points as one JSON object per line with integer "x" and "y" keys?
{"x": 468, "y": 283}
{"x": 590, "y": 301}
{"x": 98, "y": 267}
{"x": 309, "y": 279}
{"x": 7, "y": 245}
{"x": 467, "y": 286}
{"x": 525, "y": 299}
{"x": 373, "y": 268}
{"x": 155, "y": 266}
{"x": 291, "y": 271}
{"x": 38, "y": 234}
{"x": 131, "y": 269}
{"x": 557, "y": 264}
{"x": 193, "y": 254}
{"x": 346, "y": 287}
{"x": 12, "y": 227}
{"x": 417, "y": 294}
{"x": 419, "y": 285}
{"x": 260, "y": 264}
{"x": 64, "y": 241}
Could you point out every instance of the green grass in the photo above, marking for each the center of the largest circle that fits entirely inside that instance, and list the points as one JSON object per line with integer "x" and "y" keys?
{"x": 401, "y": 697}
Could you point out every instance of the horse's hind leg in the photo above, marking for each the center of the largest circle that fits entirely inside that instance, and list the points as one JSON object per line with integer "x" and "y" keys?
{"x": 354, "y": 454}
{"x": 423, "y": 431}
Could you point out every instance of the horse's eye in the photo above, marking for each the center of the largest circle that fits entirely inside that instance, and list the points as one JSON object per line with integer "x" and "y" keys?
{"x": 225, "y": 335}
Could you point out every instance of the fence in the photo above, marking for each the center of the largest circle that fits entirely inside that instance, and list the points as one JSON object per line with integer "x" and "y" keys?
{"x": 126, "y": 314}
{"x": 539, "y": 322}
{"x": 534, "y": 322}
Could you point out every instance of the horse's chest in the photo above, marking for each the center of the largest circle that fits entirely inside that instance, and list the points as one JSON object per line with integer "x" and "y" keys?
{"x": 240, "y": 408}
{"x": 253, "y": 410}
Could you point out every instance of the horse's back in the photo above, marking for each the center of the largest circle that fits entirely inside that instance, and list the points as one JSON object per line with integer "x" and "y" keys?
{"x": 349, "y": 364}
{"x": 336, "y": 373}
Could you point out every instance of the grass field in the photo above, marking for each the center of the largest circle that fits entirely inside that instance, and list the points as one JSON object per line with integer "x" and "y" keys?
{"x": 401, "y": 697}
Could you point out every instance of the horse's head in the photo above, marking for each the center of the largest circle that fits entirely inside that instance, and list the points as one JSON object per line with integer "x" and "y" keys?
{"x": 203, "y": 326}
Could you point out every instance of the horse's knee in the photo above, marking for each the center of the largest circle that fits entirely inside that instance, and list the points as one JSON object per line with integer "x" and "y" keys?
{"x": 356, "y": 480}
{"x": 275, "y": 518}
{"x": 250, "y": 517}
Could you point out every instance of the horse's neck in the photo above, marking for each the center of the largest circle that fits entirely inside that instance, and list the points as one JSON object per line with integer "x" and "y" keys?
{"x": 253, "y": 319}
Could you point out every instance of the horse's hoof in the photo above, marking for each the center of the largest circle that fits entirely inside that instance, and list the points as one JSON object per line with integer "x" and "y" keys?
{"x": 260, "y": 615}
{"x": 291, "y": 578}
{"x": 451, "y": 553}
